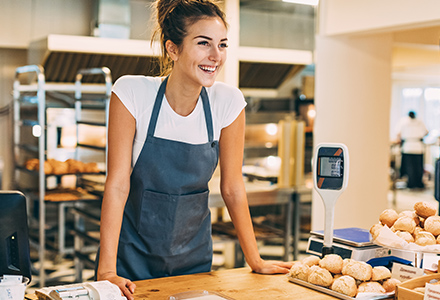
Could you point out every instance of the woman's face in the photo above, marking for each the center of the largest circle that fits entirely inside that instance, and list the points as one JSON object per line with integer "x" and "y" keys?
{"x": 203, "y": 52}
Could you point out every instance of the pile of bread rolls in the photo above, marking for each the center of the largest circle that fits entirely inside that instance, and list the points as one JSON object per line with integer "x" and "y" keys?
{"x": 421, "y": 226}
{"x": 56, "y": 167}
{"x": 345, "y": 276}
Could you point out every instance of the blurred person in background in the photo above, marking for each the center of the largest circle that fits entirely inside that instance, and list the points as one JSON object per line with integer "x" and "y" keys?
{"x": 411, "y": 133}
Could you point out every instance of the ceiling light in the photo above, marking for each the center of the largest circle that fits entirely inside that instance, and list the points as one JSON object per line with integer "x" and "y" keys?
{"x": 306, "y": 2}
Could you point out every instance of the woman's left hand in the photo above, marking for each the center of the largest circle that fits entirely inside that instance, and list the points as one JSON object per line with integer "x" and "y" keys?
{"x": 273, "y": 267}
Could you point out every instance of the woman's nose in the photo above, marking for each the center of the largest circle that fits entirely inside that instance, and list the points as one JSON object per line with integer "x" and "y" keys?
{"x": 214, "y": 54}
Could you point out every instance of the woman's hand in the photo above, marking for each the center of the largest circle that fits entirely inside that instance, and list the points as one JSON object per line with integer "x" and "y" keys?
{"x": 126, "y": 286}
{"x": 273, "y": 267}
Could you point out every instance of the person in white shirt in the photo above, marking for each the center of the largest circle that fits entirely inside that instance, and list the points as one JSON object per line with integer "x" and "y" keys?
{"x": 411, "y": 134}
{"x": 165, "y": 137}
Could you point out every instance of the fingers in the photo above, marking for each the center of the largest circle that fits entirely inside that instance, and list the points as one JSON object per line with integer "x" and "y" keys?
{"x": 127, "y": 293}
{"x": 128, "y": 289}
{"x": 131, "y": 286}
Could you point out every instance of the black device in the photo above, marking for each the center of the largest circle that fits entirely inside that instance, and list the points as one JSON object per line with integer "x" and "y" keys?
{"x": 14, "y": 235}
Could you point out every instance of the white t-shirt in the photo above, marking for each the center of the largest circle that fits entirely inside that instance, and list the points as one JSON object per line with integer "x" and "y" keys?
{"x": 138, "y": 94}
{"x": 412, "y": 132}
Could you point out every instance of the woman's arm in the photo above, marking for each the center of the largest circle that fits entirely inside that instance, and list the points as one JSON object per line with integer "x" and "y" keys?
{"x": 121, "y": 130}
{"x": 234, "y": 194}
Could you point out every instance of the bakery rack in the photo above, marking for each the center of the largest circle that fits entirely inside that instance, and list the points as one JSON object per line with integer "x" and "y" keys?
{"x": 30, "y": 140}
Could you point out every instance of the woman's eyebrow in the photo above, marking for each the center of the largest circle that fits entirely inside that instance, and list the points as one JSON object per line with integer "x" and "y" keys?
{"x": 208, "y": 38}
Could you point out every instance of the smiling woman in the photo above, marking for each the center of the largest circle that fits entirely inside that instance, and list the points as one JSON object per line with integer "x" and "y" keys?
{"x": 165, "y": 137}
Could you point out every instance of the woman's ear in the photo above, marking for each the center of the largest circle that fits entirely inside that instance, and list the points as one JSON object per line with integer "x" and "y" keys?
{"x": 172, "y": 50}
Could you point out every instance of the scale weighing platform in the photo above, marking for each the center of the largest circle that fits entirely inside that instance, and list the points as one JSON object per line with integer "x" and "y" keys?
{"x": 355, "y": 243}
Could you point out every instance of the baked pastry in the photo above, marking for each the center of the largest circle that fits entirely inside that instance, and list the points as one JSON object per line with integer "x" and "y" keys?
{"x": 345, "y": 285}
{"x": 437, "y": 240}
{"x": 380, "y": 273}
{"x": 32, "y": 164}
{"x": 311, "y": 260}
{"x": 388, "y": 217}
{"x": 405, "y": 224}
{"x": 419, "y": 290}
{"x": 432, "y": 224}
{"x": 375, "y": 230}
{"x": 332, "y": 262}
{"x": 425, "y": 238}
{"x": 58, "y": 167}
{"x": 417, "y": 230}
{"x": 75, "y": 166}
{"x": 91, "y": 167}
{"x": 406, "y": 236}
{"x": 320, "y": 276}
{"x": 390, "y": 284}
{"x": 371, "y": 287}
{"x": 410, "y": 213}
{"x": 425, "y": 209}
{"x": 299, "y": 270}
{"x": 358, "y": 270}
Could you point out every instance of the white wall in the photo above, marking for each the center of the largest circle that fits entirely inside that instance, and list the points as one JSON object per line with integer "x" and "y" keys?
{"x": 352, "y": 101}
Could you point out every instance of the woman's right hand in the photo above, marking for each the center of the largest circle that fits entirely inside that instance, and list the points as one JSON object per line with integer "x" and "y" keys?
{"x": 126, "y": 286}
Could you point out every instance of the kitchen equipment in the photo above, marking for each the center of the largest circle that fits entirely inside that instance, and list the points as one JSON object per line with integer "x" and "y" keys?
{"x": 330, "y": 178}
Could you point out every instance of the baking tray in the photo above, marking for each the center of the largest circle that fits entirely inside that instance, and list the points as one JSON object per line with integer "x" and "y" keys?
{"x": 199, "y": 295}
{"x": 336, "y": 294}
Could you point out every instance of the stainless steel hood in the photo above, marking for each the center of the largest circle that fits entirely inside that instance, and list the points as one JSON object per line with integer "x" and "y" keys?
{"x": 63, "y": 55}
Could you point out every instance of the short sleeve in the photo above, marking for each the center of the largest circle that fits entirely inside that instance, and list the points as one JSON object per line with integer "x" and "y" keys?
{"x": 228, "y": 101}
{"x": 123, "y": 88}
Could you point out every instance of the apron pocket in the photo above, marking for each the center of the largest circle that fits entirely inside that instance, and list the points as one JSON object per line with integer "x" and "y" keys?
{"x": 174, "y": 223}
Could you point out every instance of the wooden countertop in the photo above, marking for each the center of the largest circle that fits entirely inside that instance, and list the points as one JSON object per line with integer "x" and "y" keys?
{"x": 240, "y": 284}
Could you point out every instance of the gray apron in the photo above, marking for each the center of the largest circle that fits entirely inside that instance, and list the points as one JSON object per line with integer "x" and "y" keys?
{"x": 166, "y": 228}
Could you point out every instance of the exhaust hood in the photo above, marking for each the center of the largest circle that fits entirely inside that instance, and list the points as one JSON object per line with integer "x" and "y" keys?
{"x": 63, "y": 55}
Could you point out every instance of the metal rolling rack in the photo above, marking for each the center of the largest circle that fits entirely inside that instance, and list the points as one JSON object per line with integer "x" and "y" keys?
{"x": 30, "y": 141}
{"x": 85, "y": 243}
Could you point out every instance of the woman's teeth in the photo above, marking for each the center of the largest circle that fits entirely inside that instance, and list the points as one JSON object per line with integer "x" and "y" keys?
{"x": 207, "y": 68}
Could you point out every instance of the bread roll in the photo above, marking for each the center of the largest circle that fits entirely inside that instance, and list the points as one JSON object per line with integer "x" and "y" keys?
{"x": 311, "y": 260}
{"x": 425, "y": 209}
{"x": 425, "y": 238}
{"x": 371, "y": 287}
{"x": 390, "y": 284}
{"x": 375, "y": 230}
{"x": 388, "y": 217}
{"x": 406, "y": 236}
{"x": 300, "y": 270}
{"x": 321, "y": 277}
{"x": 432, "y": 224}
{"x": 411, "y": 214}
{"x": 345, "y": 285}
{"x": 405, "y": 224}
{"x": 380, "y": 273}
{"x": 358, "y": 270}
{"x": 332, "y": 262}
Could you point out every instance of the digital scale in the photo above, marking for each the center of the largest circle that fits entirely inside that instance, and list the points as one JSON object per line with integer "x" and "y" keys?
{"x": 330, "y": 178}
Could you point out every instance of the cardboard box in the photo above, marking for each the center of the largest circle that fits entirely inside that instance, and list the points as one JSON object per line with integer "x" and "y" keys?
{"x": 404, "y": 291}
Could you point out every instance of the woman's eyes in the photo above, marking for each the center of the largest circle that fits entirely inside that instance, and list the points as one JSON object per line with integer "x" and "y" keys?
{"x": 206, "y": 43}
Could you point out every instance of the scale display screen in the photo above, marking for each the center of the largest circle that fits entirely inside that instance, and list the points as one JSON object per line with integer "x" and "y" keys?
{"x": 330, "y": 166}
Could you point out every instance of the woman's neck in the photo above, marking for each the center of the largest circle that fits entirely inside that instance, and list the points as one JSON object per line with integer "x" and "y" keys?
{"x": 181, "y": 96}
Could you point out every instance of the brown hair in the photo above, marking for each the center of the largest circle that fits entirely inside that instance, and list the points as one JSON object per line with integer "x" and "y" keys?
{"x": 173, "y": 19}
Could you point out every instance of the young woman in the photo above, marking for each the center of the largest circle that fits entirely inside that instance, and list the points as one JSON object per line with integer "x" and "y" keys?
{"x": 165, "y": 137}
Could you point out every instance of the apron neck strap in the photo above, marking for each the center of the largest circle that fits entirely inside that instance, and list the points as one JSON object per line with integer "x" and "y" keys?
{"x": 158, "y": 103}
